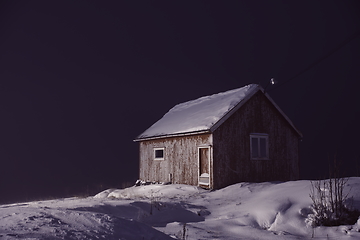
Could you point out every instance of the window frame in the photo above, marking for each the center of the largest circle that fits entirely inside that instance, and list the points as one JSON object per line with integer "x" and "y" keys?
{"x": 154, "y": 153}
{"x": 259, "y": 136}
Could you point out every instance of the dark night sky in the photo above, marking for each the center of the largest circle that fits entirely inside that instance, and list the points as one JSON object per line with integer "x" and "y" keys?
{"x": 79, "y": 80}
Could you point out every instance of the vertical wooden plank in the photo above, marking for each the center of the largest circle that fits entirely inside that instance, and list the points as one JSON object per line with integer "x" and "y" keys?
{"x": 180, "y": 160}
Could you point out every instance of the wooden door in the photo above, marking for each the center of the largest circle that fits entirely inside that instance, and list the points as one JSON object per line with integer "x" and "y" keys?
{"x": 204, "y": 166}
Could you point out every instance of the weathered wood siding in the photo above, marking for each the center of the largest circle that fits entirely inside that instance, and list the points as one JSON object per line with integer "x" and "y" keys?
{"x": 231, "y": 148}
{"x": 180, "y": 159}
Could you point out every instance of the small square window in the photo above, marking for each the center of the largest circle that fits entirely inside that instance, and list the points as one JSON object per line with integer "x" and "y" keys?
{"x": 158, "y": 153}
{"x": 259, "y": 146}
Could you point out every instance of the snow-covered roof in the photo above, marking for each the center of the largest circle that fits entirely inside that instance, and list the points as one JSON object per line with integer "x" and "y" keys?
{"x": 201, "y": 115}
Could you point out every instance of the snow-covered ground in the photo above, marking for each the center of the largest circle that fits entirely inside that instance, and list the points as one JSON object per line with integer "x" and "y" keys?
{"x": 241, "y": 211}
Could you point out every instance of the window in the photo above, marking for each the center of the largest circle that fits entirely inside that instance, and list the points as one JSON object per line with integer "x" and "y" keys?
{"x": 158, "y": 153}
{"x": 259, "y": 146}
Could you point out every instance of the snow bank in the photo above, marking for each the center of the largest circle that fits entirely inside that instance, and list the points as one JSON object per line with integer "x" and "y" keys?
{"x": 270, "y": 210}
{"x": 152, "y": 191}
{"x": 59, "y": 220}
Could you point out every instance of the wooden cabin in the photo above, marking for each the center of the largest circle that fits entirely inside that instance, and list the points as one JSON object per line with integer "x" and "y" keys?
{"x": 236, "y": 136}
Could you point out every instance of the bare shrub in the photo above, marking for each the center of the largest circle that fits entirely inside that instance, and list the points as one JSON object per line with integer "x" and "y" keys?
{"x": 331, "y": 205}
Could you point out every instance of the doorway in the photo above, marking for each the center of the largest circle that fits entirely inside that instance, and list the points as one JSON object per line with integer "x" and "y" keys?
{"x": 204, "y": 166}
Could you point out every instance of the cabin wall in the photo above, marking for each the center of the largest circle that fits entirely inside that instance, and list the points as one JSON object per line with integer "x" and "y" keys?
{"x": 180, "y": 159}
{"x": 231, "y": 148}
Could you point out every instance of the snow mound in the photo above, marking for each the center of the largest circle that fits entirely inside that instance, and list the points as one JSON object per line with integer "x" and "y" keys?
{"x": 152, "y": 191}
{"x": 49, "y": 222}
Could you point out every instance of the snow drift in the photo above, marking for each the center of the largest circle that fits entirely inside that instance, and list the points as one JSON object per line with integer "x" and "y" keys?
{"x": 270, "y": 210}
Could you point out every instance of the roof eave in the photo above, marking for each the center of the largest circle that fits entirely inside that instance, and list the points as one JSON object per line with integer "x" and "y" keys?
{"x": 139, "y": 139}
{"x": 284, "y": 115}
{"x": 243, "y": 101}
